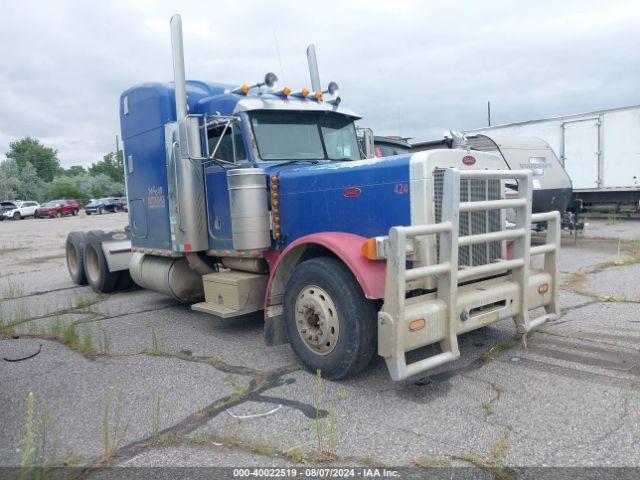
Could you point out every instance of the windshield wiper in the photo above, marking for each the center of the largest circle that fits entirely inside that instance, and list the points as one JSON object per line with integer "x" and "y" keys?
{"x": 312, "y": 162}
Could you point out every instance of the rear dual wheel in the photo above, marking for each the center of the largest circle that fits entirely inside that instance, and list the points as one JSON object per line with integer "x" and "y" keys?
{"x": 330, "y": 324}
{"x": 75, "y": 257}
{"x": 88, "y": 265}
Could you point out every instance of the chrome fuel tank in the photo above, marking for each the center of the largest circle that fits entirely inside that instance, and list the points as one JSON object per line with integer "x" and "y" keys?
{"x": 249, "y": 200}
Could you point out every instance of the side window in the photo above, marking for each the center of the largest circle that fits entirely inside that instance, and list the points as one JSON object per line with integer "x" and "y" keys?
{"x": 231, "y": 148}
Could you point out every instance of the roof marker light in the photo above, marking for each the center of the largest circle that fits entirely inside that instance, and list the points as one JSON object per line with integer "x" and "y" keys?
{"x": 302, "y": 93}
{"x": 241, "y": 90}
{"x": 285, "y": 92}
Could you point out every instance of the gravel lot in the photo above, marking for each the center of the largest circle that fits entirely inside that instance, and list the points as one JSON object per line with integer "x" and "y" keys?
{"x": 175, "y": 387}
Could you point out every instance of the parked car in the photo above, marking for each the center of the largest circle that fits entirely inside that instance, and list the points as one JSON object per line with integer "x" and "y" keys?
{"x": 122, "y": 204}
{"x": 6, "y": 206}
{"x": 22, "y": 209}
{"x": 101, "y": 205}
{"x": 58, "y": 208}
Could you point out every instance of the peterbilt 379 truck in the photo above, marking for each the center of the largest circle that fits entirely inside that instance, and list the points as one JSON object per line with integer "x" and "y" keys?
{"x": 253, "y": 198}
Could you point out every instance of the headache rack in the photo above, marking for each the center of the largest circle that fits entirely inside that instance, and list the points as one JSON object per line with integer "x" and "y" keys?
{"x": 450, "y": 272}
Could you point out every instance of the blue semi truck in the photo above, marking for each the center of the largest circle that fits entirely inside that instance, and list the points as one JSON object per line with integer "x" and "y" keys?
{"x": 247, "y": 198}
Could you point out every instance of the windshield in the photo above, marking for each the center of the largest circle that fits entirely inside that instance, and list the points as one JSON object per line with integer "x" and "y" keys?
{"x": 304, "y": 136}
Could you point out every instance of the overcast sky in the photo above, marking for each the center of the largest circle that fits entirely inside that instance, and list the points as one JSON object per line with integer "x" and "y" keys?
{"x": 408, "y": 67}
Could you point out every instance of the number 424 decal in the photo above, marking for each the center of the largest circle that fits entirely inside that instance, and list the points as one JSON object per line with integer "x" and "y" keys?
{"x": 401, "y": 188}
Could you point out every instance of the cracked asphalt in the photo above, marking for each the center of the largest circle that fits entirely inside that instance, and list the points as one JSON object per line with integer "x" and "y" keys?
{"x": 175, "y": 387}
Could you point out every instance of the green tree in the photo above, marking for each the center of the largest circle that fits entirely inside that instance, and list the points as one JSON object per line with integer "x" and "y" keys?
{"x": 63, "y": 188}
{"x": 111, "y": 166}
{"x": 30, "y": 150}
{"x": 9, "y": 180}
{"x": 75, "y": 170}
{"x": 31, "y": 186}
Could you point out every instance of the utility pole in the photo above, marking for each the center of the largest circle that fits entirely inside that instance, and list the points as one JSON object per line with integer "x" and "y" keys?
{"x": 489, "y": 113}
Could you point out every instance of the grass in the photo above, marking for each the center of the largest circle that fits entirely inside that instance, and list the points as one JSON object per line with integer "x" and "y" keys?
{"x": 169, "y": 438}
{"x": 495, "y": 352}
{"x": 14, "y": 289}
{"x": 104, "y": 342}
{"x": 491, "y": 464}
{"x": 155, "y": 346}
{"x": 114, "y": 429}
{"x": 28, "y": 443}
{"x": 426, "y": 462}
{"x": 38, "y": 456}
{"x": 488, "y": 408}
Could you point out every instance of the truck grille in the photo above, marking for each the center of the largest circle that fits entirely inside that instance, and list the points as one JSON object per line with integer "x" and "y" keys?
{"x": 472, "y": 223}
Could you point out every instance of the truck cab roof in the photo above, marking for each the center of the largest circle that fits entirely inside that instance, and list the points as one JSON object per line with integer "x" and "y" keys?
{"x": 151, "y": 105}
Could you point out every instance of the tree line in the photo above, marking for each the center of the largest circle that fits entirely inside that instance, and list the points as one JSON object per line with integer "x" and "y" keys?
{"x": 32, "y": 171}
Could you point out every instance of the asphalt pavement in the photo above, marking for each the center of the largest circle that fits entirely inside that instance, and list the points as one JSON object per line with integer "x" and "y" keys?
{"x": 136, "y": 379}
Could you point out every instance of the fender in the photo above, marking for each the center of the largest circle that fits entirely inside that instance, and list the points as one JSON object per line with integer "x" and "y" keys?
{"x": 370, "y": 274}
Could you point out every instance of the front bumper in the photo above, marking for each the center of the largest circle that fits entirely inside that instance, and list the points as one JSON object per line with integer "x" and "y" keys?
{"x": 407, "y": 322}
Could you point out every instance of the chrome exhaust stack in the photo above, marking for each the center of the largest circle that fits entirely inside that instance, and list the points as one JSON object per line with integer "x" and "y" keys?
{"x": 313, "y": 68}
{"x": 183, "y": 143}
{"x": 177, "y": 50}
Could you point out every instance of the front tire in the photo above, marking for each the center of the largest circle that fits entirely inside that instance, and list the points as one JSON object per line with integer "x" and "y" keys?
{"x": 330, "y": 324}
{"x": 58, "y": 214}
{"x": 17, "y": 216}
{"x": 96, "y": 268}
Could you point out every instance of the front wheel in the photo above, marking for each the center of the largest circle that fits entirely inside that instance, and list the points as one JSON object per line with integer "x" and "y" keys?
{"x": 329, "y": 322}
{"x": 75, "y": 212}
{"x": 58, "y": 214}
{"x": 16, "y": 216}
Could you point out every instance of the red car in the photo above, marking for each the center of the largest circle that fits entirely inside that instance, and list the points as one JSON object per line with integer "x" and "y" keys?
{"x": 58, "y": 208}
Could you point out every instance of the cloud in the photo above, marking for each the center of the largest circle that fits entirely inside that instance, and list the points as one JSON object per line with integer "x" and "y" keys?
{"x": 411, "y": 68}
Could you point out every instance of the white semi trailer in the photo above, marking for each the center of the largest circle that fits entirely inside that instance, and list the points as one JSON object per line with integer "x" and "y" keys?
{"x": 600, "y": 151}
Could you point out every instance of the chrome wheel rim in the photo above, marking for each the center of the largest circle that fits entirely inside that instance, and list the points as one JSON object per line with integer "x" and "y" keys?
{"x": 317, "y": 320}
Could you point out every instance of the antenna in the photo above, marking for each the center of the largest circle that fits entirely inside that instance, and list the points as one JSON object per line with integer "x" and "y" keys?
{"x": 313, "y": 68}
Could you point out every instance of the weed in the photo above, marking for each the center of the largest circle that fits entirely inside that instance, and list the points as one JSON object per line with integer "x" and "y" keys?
{"x": 488, "y": 408}
{"x": 38, "y": 453}
{"x": 296, "y": 454}
{"x": 201, "y": 438}
{"x": 495, "y": 352}
{"x": 169, "y": 438}
{"x": 70, "y": 335}
{"x": 104, "y": 342}
{"x": 155, "y": 416}
{"x": 239, "y": 391}
{"x": 87, "y": 342}
{"x": 368, "y": 461}
{"x": 155, "y": 346}
{"x": 426, "y": 462}
{"x": 14, "y": 289}
{"x": 610, "y": 298}
{"x": 634, "y": 249}
{"x": 492, "y": 463}
{"x": 326, "y": 444}
{"x": 28, "y": 448}
{"x": 113, "y": 435}
{"x": 318, "y": 419}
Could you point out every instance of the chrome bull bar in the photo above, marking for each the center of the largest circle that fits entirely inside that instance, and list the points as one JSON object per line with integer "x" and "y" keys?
{"x": 394, "y": 327}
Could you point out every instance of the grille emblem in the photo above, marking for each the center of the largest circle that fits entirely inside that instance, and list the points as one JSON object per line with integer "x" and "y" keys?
{"x": 352, "y": 192}
{"x": 468, "y": 160}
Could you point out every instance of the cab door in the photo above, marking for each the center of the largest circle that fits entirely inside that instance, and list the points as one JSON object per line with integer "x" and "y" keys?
{"x": 225, "y": 150}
